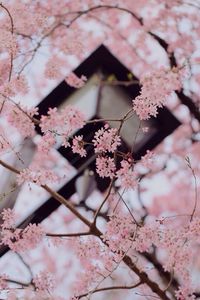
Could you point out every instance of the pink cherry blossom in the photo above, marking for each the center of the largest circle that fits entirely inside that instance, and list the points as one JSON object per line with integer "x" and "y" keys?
{"x": 62, "y": 123}
{"x": 77, "y": 146}
{"x": 20, "y": 240}
{"x": 21, "y": 119}
{"x": 3, "y": 282}
{"x": 46, "y": 143}
{"x": 106, "y": 139}
{"x": 119, "y": 232}
{"x": 40, "y": 177}
{"x": 105, "y": 166}
{"x": 156, "y": 88}
{"x": 148, "y": 159}
{"x": 43, "y": 281}
{"x": 74, "y": 81}
{"x": 9, "y": 217}
{"x": 53, "y": 68}
{"x": 184, "y": 293}
{"x": 145, "y": 227}
{"x": 127, "y": 176}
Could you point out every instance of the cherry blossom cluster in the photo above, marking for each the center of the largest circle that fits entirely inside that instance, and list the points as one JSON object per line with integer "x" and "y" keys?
{"x": 18, "y": 239}
{"x": 105, "y": 166}
{"x": 62, "y": 123}
{"x": 17, "y": 85}
{"x": 176, "y": 244}
{"x": 89, "y": 251}
{"x": 123, "y": 232}
{"x": 44, "y": 282}
{"x": 106, "y": 140}
{"x": 78, "y": 146}
{"x": 8, "y": 217}
{"x": 120, "y": 232}
{"x": 147, "y": 160}
{"x": 40, "y": 177}
{"x": 32, "y": 21}
{"x": 99, "y": 261}
{"x": 46, "y": 143}
{"x": 127, "y": 176}
{"x": 185, "y": 293}
{"x": 21, "y": 119}
{"x": 146, "y": 236}
{"x": 156, "y": 88}
{"x": 73, "y": 80}
{"x": 53, "y": 68}
{"x": 7, "y": 41}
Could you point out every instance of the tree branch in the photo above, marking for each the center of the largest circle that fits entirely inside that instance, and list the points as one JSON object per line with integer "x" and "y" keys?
{"x": 96, "y": 232}
{"x": 76, "y": 234}
{"x": 12, "y": 31}
{"x": 109, "y": 288}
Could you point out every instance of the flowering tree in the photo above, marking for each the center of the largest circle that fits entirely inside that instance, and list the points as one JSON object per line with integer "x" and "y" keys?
{"x": 134, "y": 242}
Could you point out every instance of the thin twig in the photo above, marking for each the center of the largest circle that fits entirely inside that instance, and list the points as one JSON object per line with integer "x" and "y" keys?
{"x": 117, "y": 287}
{"x": 23, "y": 284}
{"x": 97, "y": 7}
{"x": 103, "y": 202}
{"x": 121, "y": 198}
{"x": 195, "y": 187}
{"x": 25, "y": 264}
{"x": 103, "y": 120}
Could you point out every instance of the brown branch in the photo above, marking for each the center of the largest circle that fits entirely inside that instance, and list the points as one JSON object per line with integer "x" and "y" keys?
{"x": 34, "y": 120}
{"x": 102, "y": 120}
{"x": 84, "y": 205}
{"x": 76, "y": 234}
{"x": 166, "y": 276}
{"x": 102, "y": 204}
{"x": 126, "y": 205}
{"x": 140, "y": 198}
{"x": 96, "y": 232}
{"x": 114, "y": 7}
{"x": 110, "y": 288}
{"x": 25, "y": 264}
{"x": 66, "y": 203}
{"x": 54, "y": 194}
{"x": 195, "y": 187}
{"x": 10, "y": 17}
{"x": 12, "y": 31}
{"x": 93, "y": 8}
{"x": 9, "y": 167}
{"x": 23, "y": 284}
{"x": 11, "y": 65}
{"x": 145, "y": 279}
